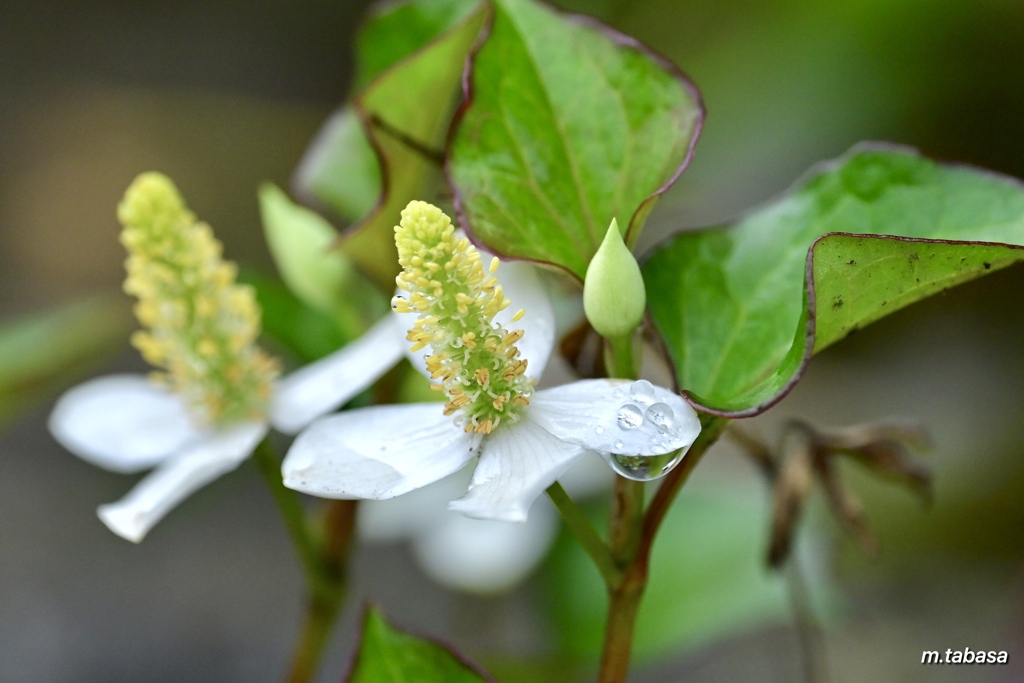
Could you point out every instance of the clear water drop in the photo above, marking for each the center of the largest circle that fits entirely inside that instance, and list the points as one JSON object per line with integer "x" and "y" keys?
{"x": 662, "y": 417}
{"x": 395, "y": 299}
{"x": 629, "y": 417}
{"x": 642, "y": 391}
{"x": 643, "y": 467}
{"x": 618, "y": 445}
{"x": 599, "y": 430}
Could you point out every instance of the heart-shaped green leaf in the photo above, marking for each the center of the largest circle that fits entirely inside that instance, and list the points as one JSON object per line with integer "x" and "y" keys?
{"x": 743, "y": 308}
{"x": 566, "y": 125}
{"x": 380, "y": 152}
{"x": 388, "y": 655}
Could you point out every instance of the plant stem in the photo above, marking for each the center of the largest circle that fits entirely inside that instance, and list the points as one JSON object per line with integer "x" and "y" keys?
{"x": 624, "y": 595}
{"x": 325, "y": 602}
{"x": 674, "y": 481}
{"x": 581, "y": 528}
{"x": 292, "y": 511}
{"x": 809, "y": 634}
{"x": 633, "y": 533}
{"x": 323, "y": 560}
{"x": 624, "y": 530}
{"x": 619, "y": 360}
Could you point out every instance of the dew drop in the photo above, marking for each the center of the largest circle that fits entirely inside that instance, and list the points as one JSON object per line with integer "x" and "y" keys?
{"x": 630, "y": 417}
{"x": 642, "y": 391}
{"x": 661, "y": 416}
{"x": 395, "y": 299}
{"x": 599, "y": 430}
{"x": 643, "y": 467}
{"x": 618, "y": 445}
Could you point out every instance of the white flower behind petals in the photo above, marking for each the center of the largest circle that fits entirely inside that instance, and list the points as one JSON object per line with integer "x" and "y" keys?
{"x": 471, "y": 555}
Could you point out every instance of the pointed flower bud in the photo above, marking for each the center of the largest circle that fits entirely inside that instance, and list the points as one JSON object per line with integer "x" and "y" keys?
{"x": 201, "y": 325}
{"x": 613, "y": 289}
{"x": 475, "y": 359}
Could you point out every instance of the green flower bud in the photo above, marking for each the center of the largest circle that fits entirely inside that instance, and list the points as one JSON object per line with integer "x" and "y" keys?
{"x": 613, "y": 290}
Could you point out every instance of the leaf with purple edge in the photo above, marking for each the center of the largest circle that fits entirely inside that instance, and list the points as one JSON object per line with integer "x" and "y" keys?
{"x": 389, "y": 655}
{"x": 566, "y": 125}
{"x": 374, "y": 155}
{"x": 742, "y": 308}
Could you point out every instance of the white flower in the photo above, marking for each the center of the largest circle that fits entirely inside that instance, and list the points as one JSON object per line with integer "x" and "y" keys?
{"x": 524, "y": 439}
{"x": 126, "y": 423}
{"x": 208, "y": 410}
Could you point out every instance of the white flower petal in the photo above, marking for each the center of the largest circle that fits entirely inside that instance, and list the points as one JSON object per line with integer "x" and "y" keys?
{"x": 202, "y": 461}
{"x": 377, "y": 452}
{"x": 330, "y": 382}
{"x": 483, "y": 556}
{"x": 523, "y": 288}
{"x": 413, "y": 513}
{"x": 516, "y": 464}
{"x": 123, "y": 423}
{"x": 587, "y": 477}
{"x": 617, "y": 416}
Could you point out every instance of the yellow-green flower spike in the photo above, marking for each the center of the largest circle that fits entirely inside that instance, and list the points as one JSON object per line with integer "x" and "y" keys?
{"x": 474, "y": 358}
{"x": 201, "y": 326}
{"x": 613, "y": 289}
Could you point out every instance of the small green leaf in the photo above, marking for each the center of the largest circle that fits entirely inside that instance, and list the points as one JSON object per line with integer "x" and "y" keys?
{"x": 568, "y": 125}
{"x": 402, "y": 116}
{"x": 742, "y": 309}
{"x": 42, "y": 353}
{"x": 388, "y": 655}
{"x": 304, "y": 248}
{"x": 300, "y": 242}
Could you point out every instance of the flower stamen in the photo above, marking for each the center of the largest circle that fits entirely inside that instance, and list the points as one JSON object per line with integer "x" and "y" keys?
{"x": 201, "y": 325}
{"x": 475, "y": 358}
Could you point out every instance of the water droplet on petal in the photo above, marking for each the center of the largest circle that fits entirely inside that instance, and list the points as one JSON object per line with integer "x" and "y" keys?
{"x": 643, "y": 467}
{"x": 599, "y": 430}
{"x": 395, "y": 299}
{"x": 661, "y": 416}
{"x": 618, "y": 444}
{"x": 630, "y": 417}
{"x": 642, "y": 391}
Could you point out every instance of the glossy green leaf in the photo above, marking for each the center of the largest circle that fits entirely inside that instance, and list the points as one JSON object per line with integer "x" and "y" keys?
{"x": 42, "y": 353}
{"x": 567, "y": 126}
{"x": 743, "y": 308}
{"x": 388, "y": 655}
{"x": 383, "y": 150}
{"x": 707, "y": 580}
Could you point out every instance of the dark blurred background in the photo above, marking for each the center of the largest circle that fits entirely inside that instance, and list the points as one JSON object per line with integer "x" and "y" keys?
{"x": 224, "y": 95}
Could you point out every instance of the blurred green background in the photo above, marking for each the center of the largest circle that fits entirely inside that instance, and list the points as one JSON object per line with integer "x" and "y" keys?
{"x": 224, "y": 95}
